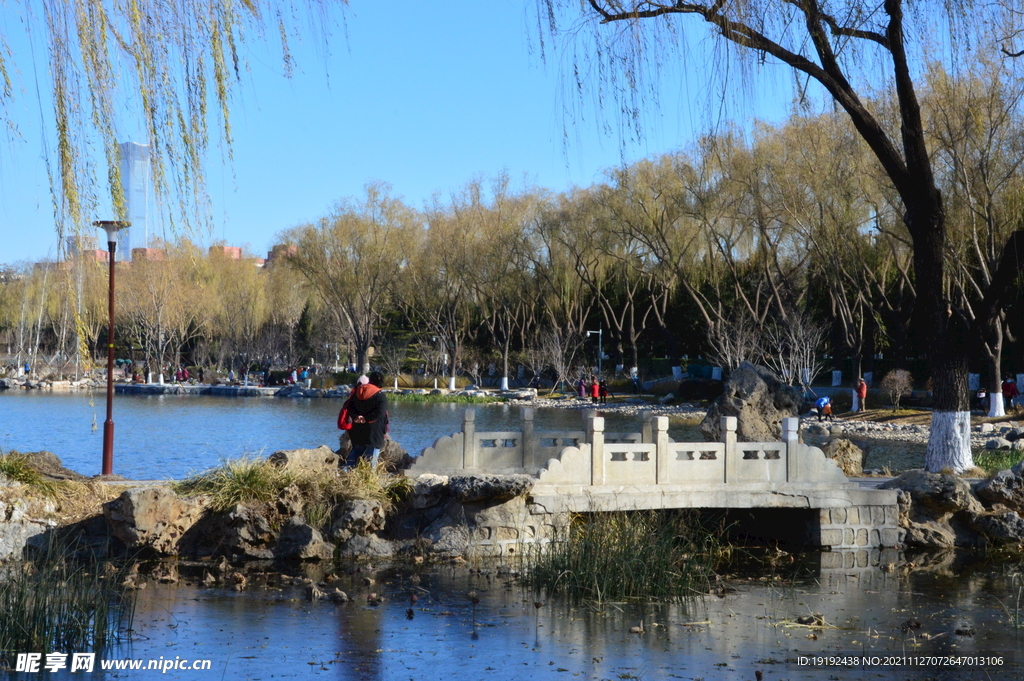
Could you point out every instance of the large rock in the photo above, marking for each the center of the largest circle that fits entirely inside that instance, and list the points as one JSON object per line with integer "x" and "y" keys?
{"x": 300, "y": 541}
{"x": 935, "y": 495}
{"x": 370, "y": 546}
{"x": 999, "y": 528}
{"x": 1005, "y": 488}
{"x": 429, "y": 490}
{"x": 308, "y": 460}
{"x": 48, "y": 465}
{"x": 392, "y": 456}
{"x": 241, "y": 531}
{"x": 758, "y": 400}
{"x": 470, "y": 489}
{"x": 929, "y": 535}
{"x": 152, "y": 518}
{"x": 18, "y": 530}
{"x": 847, "y": 456}
{"x": 357, "y": 517}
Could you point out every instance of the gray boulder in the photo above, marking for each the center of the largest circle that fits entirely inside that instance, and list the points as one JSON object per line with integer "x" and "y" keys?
{"x": 1005, "y": 488}
{"x": 370, "y": 546}
{"x": 48, "y": 465}
{"x": 392, "y": 456}
{"x": 309, "y": 460}
{"x": 758, "y": 400}
{"x": 929, "y": 534}
{"x": 998, "y": 443}
{"x": 470, "y": 489}
{"x": 241, "y": 531}
{"x": 429, "y": 490}
{"x": 300, "y": 541}
{"x": 357, "y": 517}
{"x": 19, "y": 530}
{"x": 999, "y": 528}
{"x": 152, "y": 518}
{"x": 934, "y": 495}
{"x": 847, "y": 456}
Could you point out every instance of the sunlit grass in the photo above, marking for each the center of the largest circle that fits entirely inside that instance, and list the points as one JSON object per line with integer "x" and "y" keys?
{"x": 251, "y": 480}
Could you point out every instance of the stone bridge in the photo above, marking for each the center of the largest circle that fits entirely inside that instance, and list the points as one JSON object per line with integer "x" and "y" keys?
{"x": 591, "y": 470}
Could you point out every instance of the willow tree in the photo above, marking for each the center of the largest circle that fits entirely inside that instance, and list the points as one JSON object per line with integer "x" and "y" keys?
{"x": 352, "y": 259}
{"x": 170, "y": 67}
{"x": 846, "y": 47}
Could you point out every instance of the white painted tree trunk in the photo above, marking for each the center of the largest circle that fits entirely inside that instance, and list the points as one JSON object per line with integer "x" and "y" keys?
{"x": 949, "y": 444}
{"x": 451, "y": 383}
{"x": 856, "y": 401}
{"x": 504, "y": 382}
{"x": 995, "y": 405}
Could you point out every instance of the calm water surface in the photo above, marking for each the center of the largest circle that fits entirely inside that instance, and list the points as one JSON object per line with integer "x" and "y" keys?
{"x": 168, "y": 436}
{"x": 271, "y": 633}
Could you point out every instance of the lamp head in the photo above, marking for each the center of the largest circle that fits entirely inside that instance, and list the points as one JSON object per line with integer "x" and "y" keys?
{"x": 112, "y": 227}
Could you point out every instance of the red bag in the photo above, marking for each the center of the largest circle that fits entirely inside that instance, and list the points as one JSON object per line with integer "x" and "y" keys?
{"x": 344, "y": 420}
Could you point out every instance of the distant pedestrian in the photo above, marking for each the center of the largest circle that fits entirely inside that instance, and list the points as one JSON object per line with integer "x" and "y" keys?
{"x": 860, "y": 395}
{"x": 581, "y": 388}
{"x": 595, "y": 390}
{"x": 603, "y": 391}
{"x": 1009, "y": 392}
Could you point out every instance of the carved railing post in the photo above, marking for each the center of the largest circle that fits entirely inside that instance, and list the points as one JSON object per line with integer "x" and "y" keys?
{"x": 595, "y": 436}
{"x": 661, "y": 454}
{"x": 646, "y": 435}
{"x": 729, "y": 438}
{"x": 528, "y": 443}
{"x": 791, "y": 438}
{"x": 588, "y": 416}
{"x": 469, "y": 453}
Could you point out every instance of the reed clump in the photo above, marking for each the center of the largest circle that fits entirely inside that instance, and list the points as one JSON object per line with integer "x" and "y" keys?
{"x": 57, "y": 603}
{"x": 251, "y": 480}
{"x": 623, "y": 556}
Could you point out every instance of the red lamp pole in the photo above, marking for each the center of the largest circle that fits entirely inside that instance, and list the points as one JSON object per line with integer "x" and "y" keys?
{"x": 111, "y": 227}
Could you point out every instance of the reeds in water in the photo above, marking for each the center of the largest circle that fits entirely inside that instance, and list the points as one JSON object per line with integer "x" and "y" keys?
{"x": 635, "y": 555}
{"x": 59, "y": 604}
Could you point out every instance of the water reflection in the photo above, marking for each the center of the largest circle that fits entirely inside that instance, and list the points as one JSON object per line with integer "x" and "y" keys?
{"x": 262, "y": 634}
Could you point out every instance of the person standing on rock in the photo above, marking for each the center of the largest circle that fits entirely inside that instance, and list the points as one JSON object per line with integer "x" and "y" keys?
{"x": 368, "y": 411}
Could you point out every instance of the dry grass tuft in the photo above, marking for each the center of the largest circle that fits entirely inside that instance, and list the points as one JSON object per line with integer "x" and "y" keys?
{"x": 257, "y": 481}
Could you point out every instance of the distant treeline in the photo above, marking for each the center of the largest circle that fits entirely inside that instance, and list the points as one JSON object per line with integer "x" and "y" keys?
{"x": 786, "y": 246}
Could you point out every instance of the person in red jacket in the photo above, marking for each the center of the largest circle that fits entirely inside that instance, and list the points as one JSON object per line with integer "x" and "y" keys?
{"x": 1009, "y": 392}
{"x": 595, "y": 390}
{"x": 368, "y": 408}
{"x": 862, "y": 393}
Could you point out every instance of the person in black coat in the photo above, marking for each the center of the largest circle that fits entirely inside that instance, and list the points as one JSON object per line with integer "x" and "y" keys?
{"x": 368, "y": 408}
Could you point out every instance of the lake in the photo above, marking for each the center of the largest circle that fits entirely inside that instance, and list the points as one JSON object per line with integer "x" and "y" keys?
{"x": 271, "y": 631}
{"x": 160, "y": 437}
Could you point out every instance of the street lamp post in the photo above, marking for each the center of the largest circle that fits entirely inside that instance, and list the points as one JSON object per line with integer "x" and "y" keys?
{"x": 600, "y": 351}
{"x": 111, "y": 227}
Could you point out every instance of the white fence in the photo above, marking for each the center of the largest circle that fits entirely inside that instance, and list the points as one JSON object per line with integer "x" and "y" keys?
{"x": 592, "y": 457}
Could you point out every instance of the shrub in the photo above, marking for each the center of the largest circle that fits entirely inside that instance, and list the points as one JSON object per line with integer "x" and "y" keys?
{"x": 897, "y": 383}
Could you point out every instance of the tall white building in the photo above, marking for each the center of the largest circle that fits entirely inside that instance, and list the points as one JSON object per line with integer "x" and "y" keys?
{"x": 135, "y": 180}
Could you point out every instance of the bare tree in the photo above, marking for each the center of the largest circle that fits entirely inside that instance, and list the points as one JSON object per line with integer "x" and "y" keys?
{"x": 897, "y": 383}
{"x": 832, "y": 44}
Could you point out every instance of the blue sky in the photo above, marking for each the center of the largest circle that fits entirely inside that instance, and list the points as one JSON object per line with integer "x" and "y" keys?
{"x": 421, "y": 99}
